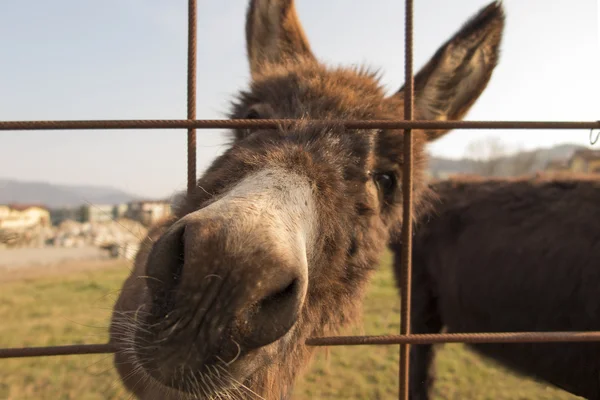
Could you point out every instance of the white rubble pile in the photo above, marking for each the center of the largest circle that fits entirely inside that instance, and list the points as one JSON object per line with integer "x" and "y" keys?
{"x": 121, "y": 237}
{"x": 71, "y": 233}
{"x": 35, "y": 236}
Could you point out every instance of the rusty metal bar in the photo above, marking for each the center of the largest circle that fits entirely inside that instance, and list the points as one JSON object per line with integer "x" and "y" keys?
{"x": 76, "y": 349}
{"x": 275, "y": 123}
{"x": 405, "y": 339}
{"x": 407, "y": 207}
{"x": 191, "y": 93}
{"x": 496, "y": 337}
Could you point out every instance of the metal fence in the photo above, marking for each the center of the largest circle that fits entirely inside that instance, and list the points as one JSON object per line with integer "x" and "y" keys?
{"x": 405, "y": 338}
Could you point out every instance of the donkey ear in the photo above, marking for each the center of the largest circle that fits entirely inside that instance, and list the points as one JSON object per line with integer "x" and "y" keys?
{"x": 448, "y": 85}
{"x": 274, "y": 34}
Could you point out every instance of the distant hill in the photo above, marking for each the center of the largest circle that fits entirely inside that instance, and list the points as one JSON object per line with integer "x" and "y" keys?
{"x": 537, "y": 160}
{"x": 55, "y": 196}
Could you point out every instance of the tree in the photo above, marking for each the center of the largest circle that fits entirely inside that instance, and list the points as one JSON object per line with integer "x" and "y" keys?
{"x": 492, "y": 157}
{"x": 523, "y": 163}
{"x": 487, "y": 154}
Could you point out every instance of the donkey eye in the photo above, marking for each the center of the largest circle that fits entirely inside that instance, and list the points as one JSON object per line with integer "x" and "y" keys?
{"x": 386, "y": 183}
{"x": 252, "y": 114}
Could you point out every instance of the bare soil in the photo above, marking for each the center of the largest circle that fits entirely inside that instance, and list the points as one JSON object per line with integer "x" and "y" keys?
{"x": 16, "y": 264}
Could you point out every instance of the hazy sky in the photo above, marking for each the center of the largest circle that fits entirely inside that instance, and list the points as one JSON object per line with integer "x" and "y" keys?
{"x": 126, "y": 59}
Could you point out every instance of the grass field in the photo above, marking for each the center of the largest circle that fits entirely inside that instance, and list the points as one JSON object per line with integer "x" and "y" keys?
{"x": 48, "y": 308}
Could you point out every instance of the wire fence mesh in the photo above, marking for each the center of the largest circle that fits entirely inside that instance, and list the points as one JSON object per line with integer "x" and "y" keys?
{"x": 405, "y": 339}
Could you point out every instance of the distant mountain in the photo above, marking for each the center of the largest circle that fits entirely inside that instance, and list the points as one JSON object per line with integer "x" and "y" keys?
{"x": 531, "y": 161}
{"x": 56, "y": 196}
{"x": 440, "y": 165}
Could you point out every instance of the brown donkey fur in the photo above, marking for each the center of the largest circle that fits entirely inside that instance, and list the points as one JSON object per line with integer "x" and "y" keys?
{"x": 285, "y": 227}
{"x": 510, "y": 255}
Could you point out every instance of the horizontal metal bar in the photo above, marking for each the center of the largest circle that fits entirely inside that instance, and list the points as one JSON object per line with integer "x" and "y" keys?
{"x": 275, "y": 123}
{"x": 75, "y": 349}
{"x": 500, "y": 337}
{"x": 497, "y": 337}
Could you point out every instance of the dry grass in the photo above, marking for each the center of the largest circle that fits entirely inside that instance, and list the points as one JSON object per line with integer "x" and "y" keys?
{"x": 61, "y": 308}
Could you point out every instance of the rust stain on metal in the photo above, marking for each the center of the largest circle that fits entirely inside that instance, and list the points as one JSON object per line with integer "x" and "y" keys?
{"x": 496, "y": 337}
{"x": 407, "y": 207}
{"x": 77, "y": 349}
{"x": 276, "y": 123}
{"x": 191, "y": 93}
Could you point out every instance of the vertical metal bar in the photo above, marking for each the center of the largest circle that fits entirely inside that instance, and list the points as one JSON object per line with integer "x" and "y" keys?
{"x": 407, "y": 187}
{"x": 191, "y": 95}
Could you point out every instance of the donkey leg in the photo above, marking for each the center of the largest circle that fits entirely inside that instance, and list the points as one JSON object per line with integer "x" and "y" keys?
{"x": 425, "y": 319}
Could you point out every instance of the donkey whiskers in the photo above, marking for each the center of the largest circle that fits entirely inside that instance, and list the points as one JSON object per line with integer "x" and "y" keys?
{"x": 241, "y": 385}
{"x": 149, "y": 277}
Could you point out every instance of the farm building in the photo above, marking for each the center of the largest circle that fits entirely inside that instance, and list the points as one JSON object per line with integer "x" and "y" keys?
{"x": 23, "y": 216}
{"x": 586, "y": 161}
{"x": 582, "y": 161}
{"x": 97, "y": 212}
{"x": 148, "y": 212}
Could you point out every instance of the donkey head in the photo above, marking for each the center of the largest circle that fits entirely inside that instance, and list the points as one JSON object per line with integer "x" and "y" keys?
{"x": 278, "y": 241}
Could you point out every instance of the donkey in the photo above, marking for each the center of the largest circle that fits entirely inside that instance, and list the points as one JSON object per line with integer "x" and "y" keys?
{"x": 285, "y": 228}
{"x": 510, "y": 255}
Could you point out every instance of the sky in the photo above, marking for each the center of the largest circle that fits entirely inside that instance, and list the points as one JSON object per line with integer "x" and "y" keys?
{"x": 126, "y": 59}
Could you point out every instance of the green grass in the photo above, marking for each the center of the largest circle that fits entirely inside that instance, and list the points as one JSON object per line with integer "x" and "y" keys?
{"x": 75, "y": 308}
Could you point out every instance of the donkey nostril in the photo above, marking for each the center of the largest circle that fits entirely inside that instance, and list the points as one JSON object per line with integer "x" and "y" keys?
{"x": 177, "y": 267}
{"x": 272, "y": 316}
{"x": 165, "y": 265}
{"x": 278, "y": 298}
